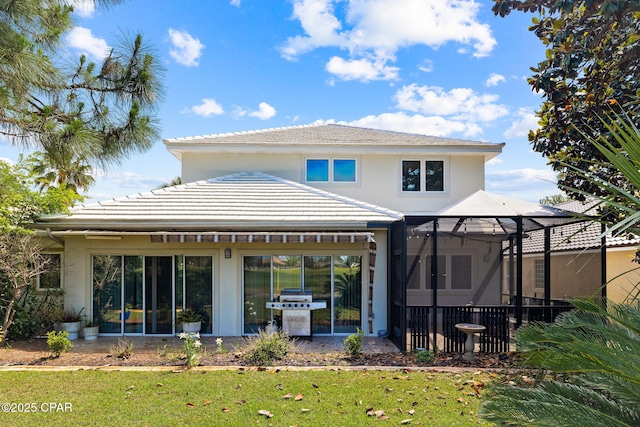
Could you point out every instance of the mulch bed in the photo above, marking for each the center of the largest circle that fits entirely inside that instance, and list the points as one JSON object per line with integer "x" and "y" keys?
{"x": 36, "y": 353}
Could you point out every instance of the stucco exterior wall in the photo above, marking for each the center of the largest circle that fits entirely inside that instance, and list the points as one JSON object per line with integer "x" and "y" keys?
{"x": 378, "y": 176}
{"x": 227, "y": 273}
{"x": 623, "y": 275}
{"x": 572, "y": 275}
{"x": 486, "y": 273}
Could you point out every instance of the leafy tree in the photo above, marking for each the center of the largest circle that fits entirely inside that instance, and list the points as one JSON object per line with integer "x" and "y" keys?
{"x": 592, "y": 65}
{"x": 21, "y": 258}
{"x": 596, "y": 348}
{"x": 92, "y": 112}
{"x": 53, "y": 169}
{"x": 556, "y": 199}
{"x": 175, "y": 181}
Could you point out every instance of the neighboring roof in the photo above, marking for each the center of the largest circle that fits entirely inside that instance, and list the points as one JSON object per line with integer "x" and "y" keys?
{"x": 320, "y": 135}
{"x": 244, "y": 201}
{"x": 578, "y": 236}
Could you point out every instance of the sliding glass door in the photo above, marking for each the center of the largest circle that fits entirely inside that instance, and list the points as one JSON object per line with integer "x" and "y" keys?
{"x": 142, "y": 294}
{"x": 334, "y": 279}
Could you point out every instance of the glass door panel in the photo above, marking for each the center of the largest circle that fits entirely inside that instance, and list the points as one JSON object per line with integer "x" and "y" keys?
{"x": 286, "y": 273}
{"x": 198, "y": 272}
{"x": 107, "y": 293}
{"x": 133, "y": 310}
{"x": 347, "y": 294}
{"x": 158, "y": 295}
{"x": 257, "y": 291}
{"x": 317, "y": 279}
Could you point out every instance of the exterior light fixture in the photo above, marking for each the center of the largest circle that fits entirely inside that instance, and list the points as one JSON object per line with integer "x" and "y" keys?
{"x": 227, "y": 253}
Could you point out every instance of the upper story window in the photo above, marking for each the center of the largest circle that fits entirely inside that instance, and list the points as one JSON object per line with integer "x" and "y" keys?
{"x": 331, "y": 170}
{"x": 52, "y": 279}
{"x": 423, "y": 175}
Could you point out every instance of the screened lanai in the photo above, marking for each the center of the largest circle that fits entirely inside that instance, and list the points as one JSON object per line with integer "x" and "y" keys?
{"x": 467, "y": 264}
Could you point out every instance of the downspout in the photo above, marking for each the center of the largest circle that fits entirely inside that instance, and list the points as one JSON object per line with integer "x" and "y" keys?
{"x": 54, "y": 238}
{"x": 434, "y": 281}
{"x": 519, "y": 232}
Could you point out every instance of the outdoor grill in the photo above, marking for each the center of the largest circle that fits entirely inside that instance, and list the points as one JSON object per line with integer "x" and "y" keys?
{"x": 296, "y": 306}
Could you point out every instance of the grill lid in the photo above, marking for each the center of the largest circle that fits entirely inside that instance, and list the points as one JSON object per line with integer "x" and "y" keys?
{"x": 292, "y": 294}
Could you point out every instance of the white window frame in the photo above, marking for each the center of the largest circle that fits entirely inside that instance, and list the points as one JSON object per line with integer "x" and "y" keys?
{"x": 331, "y": 172}
{"x": 422, "y": 177}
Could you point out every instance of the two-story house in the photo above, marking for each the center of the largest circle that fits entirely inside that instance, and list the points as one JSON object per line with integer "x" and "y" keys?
{"x": 331, "y": 209}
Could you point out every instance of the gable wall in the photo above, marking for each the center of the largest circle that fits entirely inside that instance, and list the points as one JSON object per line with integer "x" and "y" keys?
{"x": 379, "y": 176}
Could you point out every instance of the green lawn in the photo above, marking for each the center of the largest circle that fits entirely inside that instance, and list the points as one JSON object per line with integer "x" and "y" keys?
{"x": 237, "y": 398}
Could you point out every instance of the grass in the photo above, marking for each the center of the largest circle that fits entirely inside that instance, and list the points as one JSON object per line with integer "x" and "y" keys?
{"x": 236, "y": 398}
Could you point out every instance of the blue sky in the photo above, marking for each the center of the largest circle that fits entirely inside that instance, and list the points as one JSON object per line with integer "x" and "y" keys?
{"x": 442, "y": 67}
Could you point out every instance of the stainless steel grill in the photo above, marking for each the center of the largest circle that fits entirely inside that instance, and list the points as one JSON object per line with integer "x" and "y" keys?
{"x": 296, "y": 306}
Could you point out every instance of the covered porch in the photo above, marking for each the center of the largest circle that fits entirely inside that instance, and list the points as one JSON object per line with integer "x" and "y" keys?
{"x": 473, "y": 263}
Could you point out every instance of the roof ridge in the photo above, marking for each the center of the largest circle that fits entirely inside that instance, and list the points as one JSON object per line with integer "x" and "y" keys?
{"x": 246, "y": 132}
{"x": 316, "y": 124}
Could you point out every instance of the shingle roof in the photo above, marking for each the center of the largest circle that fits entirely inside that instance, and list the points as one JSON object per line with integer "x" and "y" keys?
{"x": 321, "y": 134}
{"x": 578, "y": 236}
{"x": 240, "y": 201}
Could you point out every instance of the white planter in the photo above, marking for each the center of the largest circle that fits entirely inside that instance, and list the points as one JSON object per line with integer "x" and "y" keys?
{"x": 72, "y": 328}
{"x": 191, "y": 327}
{"x": 91, "y": 333}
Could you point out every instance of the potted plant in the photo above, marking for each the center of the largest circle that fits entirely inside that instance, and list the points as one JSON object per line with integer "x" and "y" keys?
{"x": 90, "y": 330}
{"x": 71, "y": 322}
{"x": 190, "y": 320}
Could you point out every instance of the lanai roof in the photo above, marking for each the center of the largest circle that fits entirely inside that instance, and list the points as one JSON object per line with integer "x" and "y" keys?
{"x": 244, "y": 201}
{"x": 484, "y": 212}
{"x": 336, "y": 136}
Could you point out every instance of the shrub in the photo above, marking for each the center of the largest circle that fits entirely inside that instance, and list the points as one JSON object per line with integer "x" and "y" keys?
{"x": 122, "y": 350}
{"x": 353, "y": 343}
{"x": 264, "y": 348}
{"x": 188, "y": 316}
{"x": 425, "y": 356}
{"x": 58, "y": 342}
{"x": 191, "y": 347}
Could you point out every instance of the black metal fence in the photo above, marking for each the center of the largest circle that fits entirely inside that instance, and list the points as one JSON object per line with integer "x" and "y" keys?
{"x": 499, "y": 322}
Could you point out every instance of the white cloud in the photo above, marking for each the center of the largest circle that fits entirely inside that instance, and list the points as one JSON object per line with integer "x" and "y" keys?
{"x": 264, "y": 112}
{"x": 361, "y": 69}
{"x": 526, "y": 121}
{"x": 186, "y": 49}
{"x": 379, "y": 28}
{"x": 426, "y": 66}
{"x": 494, "y": 79}
{"x": 525, "y": 184}
{"x": 83, "y": 8}
{"x": 7, "y": 160}
{"x": 460, "y": 103}
{"x": 207, "y": 108}
{"x": 83, "y": 40}
{"x": 235, "y": 3}
{"x": 417, "y": 123}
